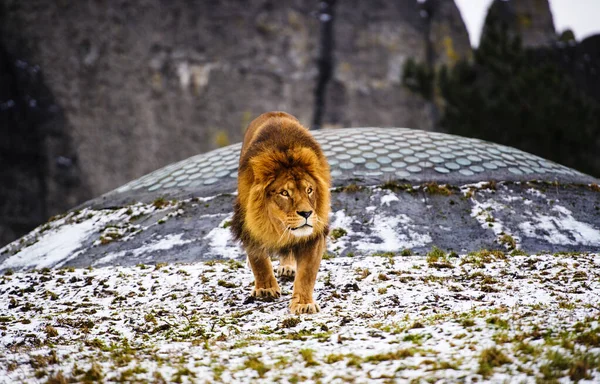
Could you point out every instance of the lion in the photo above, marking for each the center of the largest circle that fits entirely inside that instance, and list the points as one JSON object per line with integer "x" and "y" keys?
{"x": 282, "y": 206}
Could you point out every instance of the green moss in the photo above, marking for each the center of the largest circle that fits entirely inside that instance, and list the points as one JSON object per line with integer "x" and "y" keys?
{"x": 435, "y": 255}
{"x": 308, "y": 357}
{"x": 526, "y": 349}
{"x": 467, "y": 323}
{"x": 57, "y": 378}
{"x": 235, "y": 264}
{"x": 290, "y": 322}
{"x": 501, "y": 338}
{"x": 94, "y": 374}
{"x": 438, "y": 259}
{"x": 497, "y": 321}
{"x": 180, "y": 373}
{"x": 436, "y": 189}
{"x": 566, "y": 305}
{"x": 128, "y": 375}
{"x": 333, "y": 358}
{"x": 121, "y": 352}
{"x": 254, "y": 363}
{"x": 416, "y": 338}
{"x": 590, "y": 338}
{"x": 491, "y": 358}
{"x": 396, "y": 355}
{"x": 480, "y": 258}
{"x": 580, "y": 366}
{"x": 384, "y": 254}
{"x": 363, "y": 273}
{"x": 160, "y": 202}
{"x": 350, "y": 188}
{"x": 557, "y": 364}
{"x": 97, "y": 343}
{"x": 226, "y": 284}
{"x": 383, "y": 277}
{"x": 395, "y": 186}
{"x": 50, "y": 331}
{"x": 336, "y": 233}
{"x": 508, "y": 241}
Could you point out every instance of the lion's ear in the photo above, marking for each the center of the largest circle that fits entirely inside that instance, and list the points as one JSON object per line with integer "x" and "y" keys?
{"x": 263, "y": 169}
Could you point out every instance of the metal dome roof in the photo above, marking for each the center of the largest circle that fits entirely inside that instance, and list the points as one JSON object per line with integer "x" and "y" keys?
{"x": 363, "y": 156}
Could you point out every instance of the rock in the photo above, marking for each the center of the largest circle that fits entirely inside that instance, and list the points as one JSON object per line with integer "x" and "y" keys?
{"x": 39, "y": 171}
{"x": 140, "y": 86}
{"x": 530, "y": 19}
{"x": 373, "y": 40}
{"x": 448, "y": 35}
{"x": 145, "y": 85}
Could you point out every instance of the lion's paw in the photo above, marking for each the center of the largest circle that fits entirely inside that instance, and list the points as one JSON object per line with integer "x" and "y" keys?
{"x": 298, "y": 309}
{"x": 285, "y": 271}
{"x": 266, "y": 292}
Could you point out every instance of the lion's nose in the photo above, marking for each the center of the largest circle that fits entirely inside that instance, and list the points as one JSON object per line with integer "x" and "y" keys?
{"x": 305, "y": 214}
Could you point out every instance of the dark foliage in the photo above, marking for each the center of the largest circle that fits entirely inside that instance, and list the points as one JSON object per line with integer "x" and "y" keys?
{"x": 418, "y": 78}
{"x": 520, "y": 97}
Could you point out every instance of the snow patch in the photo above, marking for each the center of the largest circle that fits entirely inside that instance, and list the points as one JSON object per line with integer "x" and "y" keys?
{"x": 395, "y": 233}
{"x": 561, "y": 229}
{"x": 482, "y": 212}
{"x": 387, "y": 199}
{"x": 340, "y": 220}
{"x": 162, "y": 244}
{"x": 536, "y": 193}
{"x": 221, "y": 241}
{"x": 52, "y": 247}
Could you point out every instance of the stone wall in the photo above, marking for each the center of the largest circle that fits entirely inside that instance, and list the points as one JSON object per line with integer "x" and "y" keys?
{"x": 145, "y": 85}
{"x": 39, "y": 173}
{"x": 373, "y": 40}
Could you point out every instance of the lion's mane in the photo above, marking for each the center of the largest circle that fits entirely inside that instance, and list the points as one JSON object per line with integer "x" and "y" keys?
{"x": 277, "y": 144}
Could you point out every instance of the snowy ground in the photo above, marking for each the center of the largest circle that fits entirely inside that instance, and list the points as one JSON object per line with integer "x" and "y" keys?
{"x": 490, "y": 316}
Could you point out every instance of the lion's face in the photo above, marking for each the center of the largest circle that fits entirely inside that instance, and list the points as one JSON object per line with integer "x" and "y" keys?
{"x": 285, "y": 197}
{"x": 292, "y": 203}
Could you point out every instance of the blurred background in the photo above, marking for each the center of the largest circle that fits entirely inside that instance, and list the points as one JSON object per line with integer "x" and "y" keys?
{"x": 94, "y": 93}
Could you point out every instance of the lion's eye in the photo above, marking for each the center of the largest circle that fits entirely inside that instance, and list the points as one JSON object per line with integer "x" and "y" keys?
{"x": 309, "y": 190}
{"x": 284, "y": 193}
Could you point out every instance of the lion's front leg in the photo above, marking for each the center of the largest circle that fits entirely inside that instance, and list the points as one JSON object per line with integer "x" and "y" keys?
{"x": 308, "y": 259}
{"x": 287, "y": 266}
{"x": 265, "y": 284}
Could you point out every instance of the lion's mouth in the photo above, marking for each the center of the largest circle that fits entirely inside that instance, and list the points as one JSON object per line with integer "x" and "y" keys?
{"x": 302, "y": 226}
{"x": 302, "y": 230}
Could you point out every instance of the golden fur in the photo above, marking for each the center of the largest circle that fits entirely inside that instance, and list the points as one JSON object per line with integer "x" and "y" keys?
{"x": 282, "y": 206}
